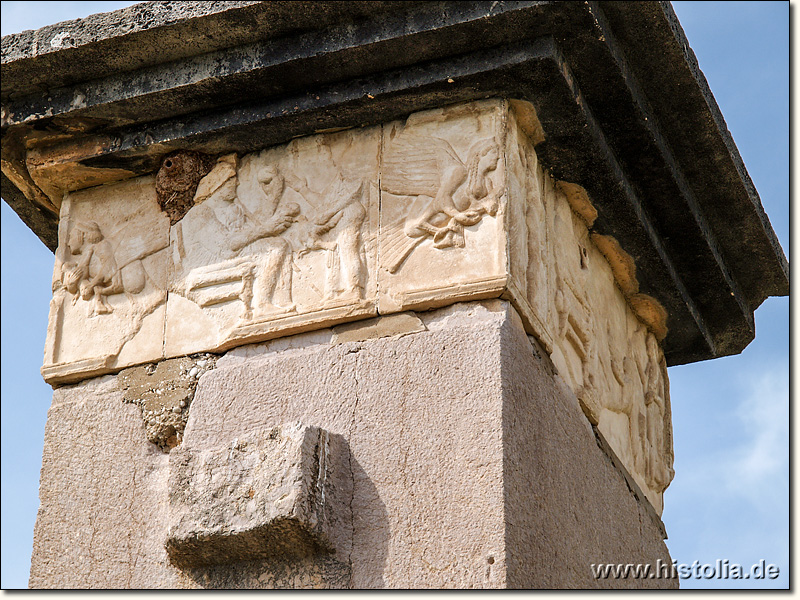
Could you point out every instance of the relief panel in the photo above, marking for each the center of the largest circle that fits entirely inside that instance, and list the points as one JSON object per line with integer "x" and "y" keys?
{"x": 610, "y": 358}
{"x": 450, "y": 204}
{"x": 109, "y": 282}
{"x": 278, "y": 242}
{"x": 442, "y": 204}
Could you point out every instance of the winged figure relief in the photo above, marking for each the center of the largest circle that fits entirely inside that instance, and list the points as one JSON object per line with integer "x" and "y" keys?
{"x": 450, "y": 194}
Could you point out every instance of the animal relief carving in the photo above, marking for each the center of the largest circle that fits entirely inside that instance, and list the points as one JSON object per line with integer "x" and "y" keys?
{"x": 443, "y": 198}
{"x": 449, "y": 194}
{"x": 108, "y": 281}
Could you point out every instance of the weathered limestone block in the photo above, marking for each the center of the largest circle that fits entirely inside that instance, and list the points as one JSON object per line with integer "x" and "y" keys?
{"x": 103, "y": 503}
{"x": 461, "y": 484}
{"x": 258, "y": 497}
{"x": 451, "y": 484}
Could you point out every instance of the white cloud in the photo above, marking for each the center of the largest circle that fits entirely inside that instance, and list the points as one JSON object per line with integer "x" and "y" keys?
{"x": 730, "y": 497}
{"x": 760, "y": 463}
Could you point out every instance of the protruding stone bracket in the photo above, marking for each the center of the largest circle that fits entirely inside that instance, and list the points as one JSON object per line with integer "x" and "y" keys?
{"x": 257, "y": 498}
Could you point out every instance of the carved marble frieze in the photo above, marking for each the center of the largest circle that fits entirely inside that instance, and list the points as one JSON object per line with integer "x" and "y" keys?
{"x": 446, "y": 205}
{"x": 442, "y": 196}
{"x": 580, "y": 298}
{"x": 110, "y": 281}
{"x": 278, "y": 242}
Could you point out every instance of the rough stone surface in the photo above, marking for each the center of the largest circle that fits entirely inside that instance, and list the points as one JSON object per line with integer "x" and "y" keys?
{"x": 103, "y": 496}
{"x": 470, "y": 460}
{"x": 164, "y": 392}
{"x": 177, "y": 180}
{"x": 266, "y": 497}
{"x": 565, "y": 510}
{"x": 370, "y": 329}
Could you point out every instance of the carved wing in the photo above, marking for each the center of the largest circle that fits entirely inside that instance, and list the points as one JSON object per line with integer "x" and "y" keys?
{"x": 396, "y": 246}
{"x": 413, "y": 166}
{"x": 132, "y": 243}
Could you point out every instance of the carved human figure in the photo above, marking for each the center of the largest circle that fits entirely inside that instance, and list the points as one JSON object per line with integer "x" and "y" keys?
{"x": 659, "y": 470}
{"x": 337, "y": 229}
{"x": 575, "y": 335}
{"x": 94, "y": 274}
{"x": 622, "y": 395}
{"x": 262, "y": 241}
{"x": 252, "y": 250}
{"x": 458, "y": 193}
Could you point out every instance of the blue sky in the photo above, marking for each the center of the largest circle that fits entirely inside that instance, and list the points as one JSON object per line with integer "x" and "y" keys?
{"x": 730, "y": 496}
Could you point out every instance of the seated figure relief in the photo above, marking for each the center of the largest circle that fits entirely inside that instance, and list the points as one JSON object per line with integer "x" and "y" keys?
{"x": 230, "y": 253}
{"x": 228, "y": 245}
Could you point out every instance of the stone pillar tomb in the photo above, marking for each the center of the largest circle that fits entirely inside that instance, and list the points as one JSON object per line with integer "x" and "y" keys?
{"x": 372, "y": 294}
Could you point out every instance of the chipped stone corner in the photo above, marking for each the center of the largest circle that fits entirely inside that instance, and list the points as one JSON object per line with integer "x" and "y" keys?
{"x": 164, "y": 392}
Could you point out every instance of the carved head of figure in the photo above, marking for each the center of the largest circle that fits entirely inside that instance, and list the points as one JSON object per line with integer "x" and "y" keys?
{"x": 483, "y": 158}
{"x": 83, "y": 233}
{"x": 271, "y": 181}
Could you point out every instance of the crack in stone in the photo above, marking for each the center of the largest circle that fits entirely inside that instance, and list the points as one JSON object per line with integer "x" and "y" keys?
{"x": 350, "y": 464}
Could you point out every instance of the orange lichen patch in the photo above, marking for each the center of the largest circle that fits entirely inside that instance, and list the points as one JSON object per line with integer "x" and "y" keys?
{"x": 20, "y": 177}
{"x": 579, "y": 201}
{"x": 648, "y": 310}
{"x": 58, "y": 179}
{"x": 622, "y": 265}
{"x": 14, "y": 167}
{"x": 528, "y": 120}
{"x": 57, "y": 168}
{"x": 651, "y": 313}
